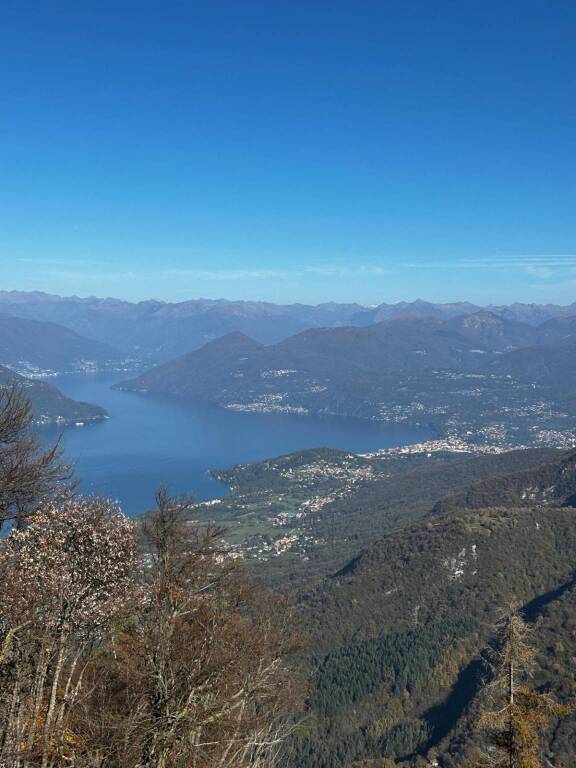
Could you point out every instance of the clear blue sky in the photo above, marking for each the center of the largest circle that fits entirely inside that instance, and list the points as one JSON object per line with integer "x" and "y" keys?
{"x": 289, "y": 149}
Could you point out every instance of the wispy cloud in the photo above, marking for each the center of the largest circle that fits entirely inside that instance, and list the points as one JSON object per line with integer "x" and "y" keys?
{"x": 541, "y": 266}
{"x": 223, "y": 275}
{"x": 350, "y": 271}
{"x": 522, "y": 260}
{"x": 46, "y": 261}
{"x": 540, "y": 271}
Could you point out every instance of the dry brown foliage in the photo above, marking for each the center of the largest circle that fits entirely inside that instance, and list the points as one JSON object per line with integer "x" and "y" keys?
{"x": 171, "y": 660}
{"x": 517, "y": 724}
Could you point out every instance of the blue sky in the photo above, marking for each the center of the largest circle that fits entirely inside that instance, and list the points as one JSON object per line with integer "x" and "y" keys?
{"x": 291, "y": 151}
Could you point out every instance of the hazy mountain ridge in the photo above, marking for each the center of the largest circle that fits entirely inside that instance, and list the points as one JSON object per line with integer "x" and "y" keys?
{"x": 161, "y": 330}
{"x": 158, "y": 330}
{"x": 45, "y": 345}
{"x": 406, "y": 343}
{"x": 550, "y": 365}
{"x": 470, "y": 342}
{"x": 467, "y": 376}
{"x": 48, "y": 403}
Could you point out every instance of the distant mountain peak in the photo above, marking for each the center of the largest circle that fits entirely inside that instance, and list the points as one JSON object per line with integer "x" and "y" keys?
{"x": 233, "y": 340}
{"x": 482, "y": 318}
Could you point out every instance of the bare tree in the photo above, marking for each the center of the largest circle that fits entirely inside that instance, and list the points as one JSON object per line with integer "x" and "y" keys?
{"x": 28, "y": 473}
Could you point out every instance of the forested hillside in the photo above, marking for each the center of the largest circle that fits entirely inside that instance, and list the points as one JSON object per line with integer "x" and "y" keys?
{"x": 305, "y": 515}
{"x": 48, "y": 403}
{"x": 399, "y": 633}
{"x": 552, "y": 483}
{"x": 477, "y": 378}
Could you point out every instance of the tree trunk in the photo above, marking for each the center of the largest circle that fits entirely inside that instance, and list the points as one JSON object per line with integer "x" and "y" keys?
{"x": 53, "y": 697}
{"x": 38, "y": 693}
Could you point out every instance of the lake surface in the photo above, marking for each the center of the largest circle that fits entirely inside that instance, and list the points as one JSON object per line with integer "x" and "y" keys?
{"x": 149, "y": 441}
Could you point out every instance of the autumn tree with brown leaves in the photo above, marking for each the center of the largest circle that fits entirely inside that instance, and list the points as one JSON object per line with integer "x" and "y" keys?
{"x": 119, "y": 656}
{"x": 197, "y": 678}
{"x": 521, "y": 717}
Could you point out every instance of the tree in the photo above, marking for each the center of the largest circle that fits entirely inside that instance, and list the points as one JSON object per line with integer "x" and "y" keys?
{"x": 197, "y": 677}
{"x": 64, "y": 578}
{"x": 516, "y": 728}
{"x": 28, "y": 474}
{"x": 115, "y": 656}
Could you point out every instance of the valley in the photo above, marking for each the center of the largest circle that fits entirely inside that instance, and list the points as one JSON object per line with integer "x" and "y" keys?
{"x": 397, "y": 483}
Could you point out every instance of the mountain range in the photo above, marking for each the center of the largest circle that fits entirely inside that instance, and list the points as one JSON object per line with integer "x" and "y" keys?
{"x": 158, "y": 331}
{"x": 468, "y": 370}
{"x": 481, "y": 374}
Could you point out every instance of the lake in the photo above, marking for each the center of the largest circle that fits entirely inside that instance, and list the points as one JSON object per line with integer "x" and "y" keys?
{"x": 149, "y": 441}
